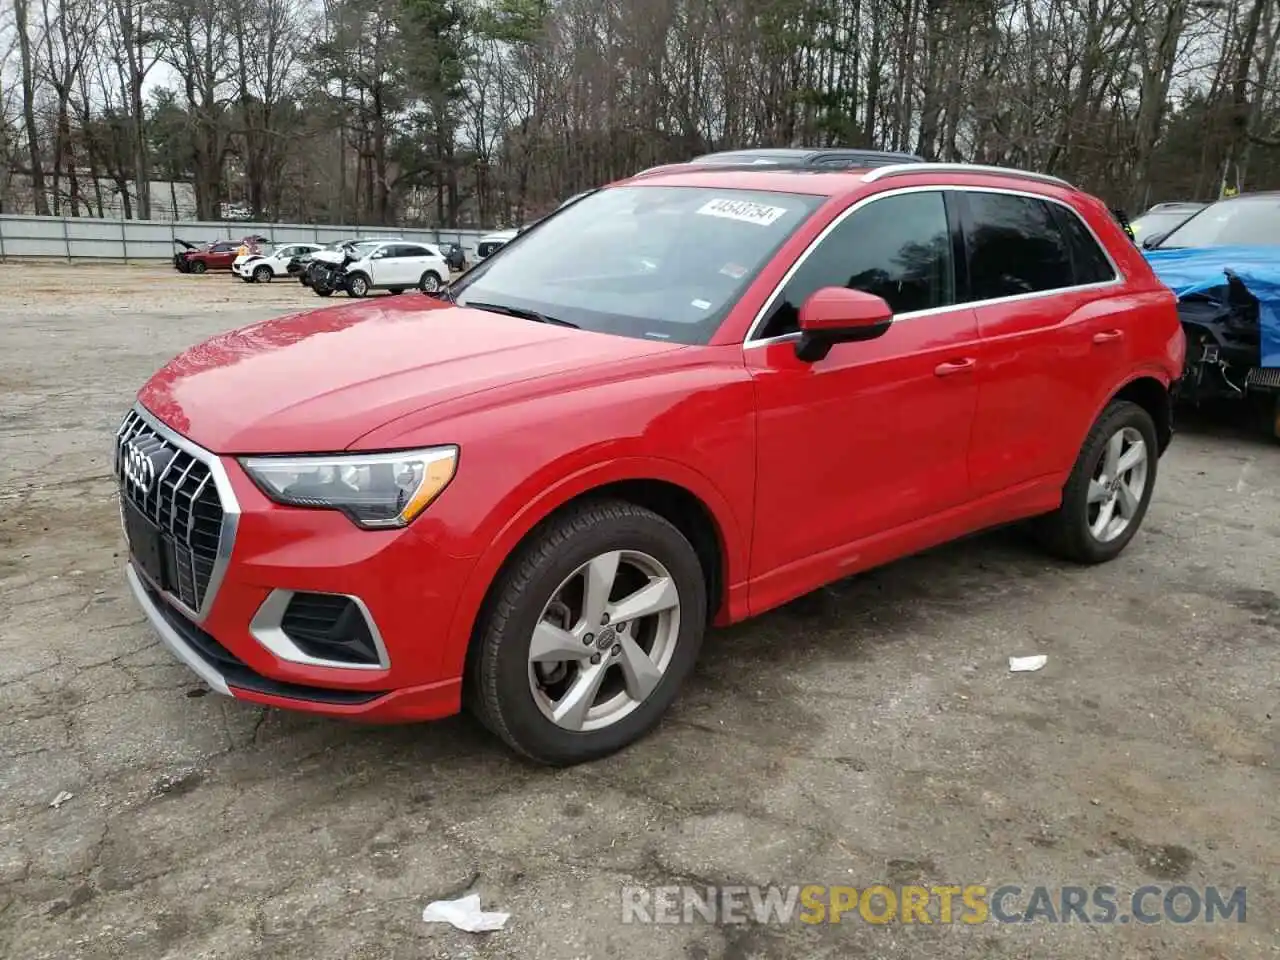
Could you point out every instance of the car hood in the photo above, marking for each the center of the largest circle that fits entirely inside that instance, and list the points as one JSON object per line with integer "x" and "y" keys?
{"x": 318, "y": 381}
{"x": 1202, "y": 269}
{"x": 329, "y": 256}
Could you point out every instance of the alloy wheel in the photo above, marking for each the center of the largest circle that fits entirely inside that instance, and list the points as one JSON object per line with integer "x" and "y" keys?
{"x": 604, "y": 640}
{"x": 1118, "y": 485}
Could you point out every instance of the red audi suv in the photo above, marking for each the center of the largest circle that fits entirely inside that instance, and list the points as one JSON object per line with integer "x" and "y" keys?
{"x": 681, "y": 401}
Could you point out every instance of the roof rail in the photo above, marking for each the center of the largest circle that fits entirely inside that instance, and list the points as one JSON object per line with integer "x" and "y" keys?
{"x": 902, "y": 169}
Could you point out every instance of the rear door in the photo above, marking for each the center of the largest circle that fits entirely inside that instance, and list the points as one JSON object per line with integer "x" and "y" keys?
{"x": 417, "y": 258}
{"x": 1045, "y": 295}
{"x": 222, "y": 254}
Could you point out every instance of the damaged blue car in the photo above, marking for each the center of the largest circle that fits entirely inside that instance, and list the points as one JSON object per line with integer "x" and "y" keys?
{"x": 1224, "y": 265}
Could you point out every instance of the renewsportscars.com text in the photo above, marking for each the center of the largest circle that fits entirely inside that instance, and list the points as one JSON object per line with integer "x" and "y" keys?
{"x": 942, "y": 904}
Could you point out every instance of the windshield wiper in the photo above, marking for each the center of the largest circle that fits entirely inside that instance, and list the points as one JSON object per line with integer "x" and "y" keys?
{"x": 520, "y": 312}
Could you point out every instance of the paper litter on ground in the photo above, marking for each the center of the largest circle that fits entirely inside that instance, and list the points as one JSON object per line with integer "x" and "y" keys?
{"x": 1027, "y": 664}
{"x": 465, "y": 914}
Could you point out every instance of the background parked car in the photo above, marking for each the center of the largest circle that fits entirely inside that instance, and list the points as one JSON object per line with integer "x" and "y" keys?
{"x": 264, "y": 266}
{"x": 1223, "y": 262}
{"x": 1150, "y": 226}
{"x": 324, "y": 273}
{"x": 395, "y": 266}
{"x": 491, "y": 243}
{"x": 455, "y": 256}
{"x": 218, "y": 255}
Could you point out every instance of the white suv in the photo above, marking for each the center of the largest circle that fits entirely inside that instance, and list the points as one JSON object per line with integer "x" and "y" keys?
{"x": 263, "y": 267}
{"x": 397, "y": 265}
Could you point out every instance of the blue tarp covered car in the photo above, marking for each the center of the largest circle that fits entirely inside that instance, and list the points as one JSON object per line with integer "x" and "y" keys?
{"x": 1224, "y": 265}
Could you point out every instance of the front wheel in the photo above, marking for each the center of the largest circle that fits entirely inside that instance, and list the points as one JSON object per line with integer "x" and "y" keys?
{"x": 262, "y": 274}
{"x": 322, "y": 291}
{"x": 1106, "y": 496}
{"x": 357, "y": 286}
{"x": 429, "y": 282}
{"x": 199, "y": 267}
{"x": 591, "y": 630}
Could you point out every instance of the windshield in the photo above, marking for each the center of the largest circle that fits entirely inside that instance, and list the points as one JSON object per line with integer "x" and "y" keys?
{"x": 1240, "y": 221}
{"x": 1157, "y": 222}
{"x": 657, "y": 262}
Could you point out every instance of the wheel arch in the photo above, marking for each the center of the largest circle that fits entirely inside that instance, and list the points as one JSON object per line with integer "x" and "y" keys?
{"x": 1152, "y": 394}
{"x": 684, "y": 499}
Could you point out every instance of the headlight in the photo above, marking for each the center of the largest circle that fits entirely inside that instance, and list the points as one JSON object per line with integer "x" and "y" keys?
{"x": 374, "y": 489}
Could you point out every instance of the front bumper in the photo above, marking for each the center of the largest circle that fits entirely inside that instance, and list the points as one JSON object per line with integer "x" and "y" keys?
{"x": 405, "y": 582}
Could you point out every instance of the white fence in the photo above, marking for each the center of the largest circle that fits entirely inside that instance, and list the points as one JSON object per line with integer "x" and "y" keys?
{"x": 86, "y": 238}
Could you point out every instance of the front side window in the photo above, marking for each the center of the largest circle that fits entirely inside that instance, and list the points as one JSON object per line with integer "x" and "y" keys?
{"x": 1239, "y": 221}
{"x": 648, "y": 261}
{"x": 897, "y": 247}
{"x": 1015, "y": 247}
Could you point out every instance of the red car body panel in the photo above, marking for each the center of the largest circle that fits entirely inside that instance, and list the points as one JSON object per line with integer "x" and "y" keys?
{"x": 809, "y": 471}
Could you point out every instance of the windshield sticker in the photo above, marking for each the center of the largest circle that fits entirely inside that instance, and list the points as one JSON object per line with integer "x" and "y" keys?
{"x": 760, "y": 214}
{"x": 734, "y": 270}
{"x": 701, "y": 304}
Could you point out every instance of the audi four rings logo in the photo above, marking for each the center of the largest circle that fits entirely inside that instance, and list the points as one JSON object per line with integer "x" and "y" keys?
{"x": 139, "y": 471}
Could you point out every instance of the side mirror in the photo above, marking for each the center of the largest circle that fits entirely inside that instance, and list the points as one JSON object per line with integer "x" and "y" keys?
{"x": 834, "y": 315}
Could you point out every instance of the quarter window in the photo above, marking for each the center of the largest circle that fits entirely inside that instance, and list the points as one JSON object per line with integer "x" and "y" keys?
{"x": 1090, "y": 263}
{"x": 897, "y": 247}
{"x": 1015, "y": 247}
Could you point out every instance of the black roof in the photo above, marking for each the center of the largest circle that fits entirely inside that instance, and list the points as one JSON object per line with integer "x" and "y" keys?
{"x": 835, "y": 158}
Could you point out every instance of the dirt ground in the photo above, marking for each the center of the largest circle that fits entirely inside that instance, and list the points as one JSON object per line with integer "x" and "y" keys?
{"x": 870, "y": 732}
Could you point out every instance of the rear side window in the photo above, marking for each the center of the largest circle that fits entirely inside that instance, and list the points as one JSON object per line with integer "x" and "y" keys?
{"x": 1090, "y": 263}
{"x": 1015, "y": 247}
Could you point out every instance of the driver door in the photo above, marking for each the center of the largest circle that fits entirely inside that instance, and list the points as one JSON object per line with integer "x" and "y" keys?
{"x": 383, "y": 264}
{"x": 863, "y": 447}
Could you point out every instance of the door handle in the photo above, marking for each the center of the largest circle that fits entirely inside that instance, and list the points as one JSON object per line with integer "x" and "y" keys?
{"x": 954, "y": 366}
{"x": 1108, "y": 336}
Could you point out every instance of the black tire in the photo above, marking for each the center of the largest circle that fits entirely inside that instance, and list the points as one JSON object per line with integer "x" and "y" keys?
{"x": 357, "y": 285}
{"x": 1066, "y": 532}
{"x": 395, "y": 290}
{"x": 498, "y": 691}
{"x": 429, "y": 282}
{"x": 323, "y": 291}
{"x": 304, "y": 280}
{"x": 199, "y": 267}
{"x": 263, "y": 274}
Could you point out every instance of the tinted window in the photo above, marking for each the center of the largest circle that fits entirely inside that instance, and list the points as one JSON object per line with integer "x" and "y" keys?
{"x": 1240, "y": 221}
{"x": 1090, "y": 263}
{"x": 1015, "y": 247}
{"x": 898, "y": 248}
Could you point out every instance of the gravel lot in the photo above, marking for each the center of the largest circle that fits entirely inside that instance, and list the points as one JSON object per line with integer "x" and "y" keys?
{"x": 870, "y": 732}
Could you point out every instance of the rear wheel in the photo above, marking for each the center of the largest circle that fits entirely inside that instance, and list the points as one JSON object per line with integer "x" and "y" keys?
{"x": 1106, "y": 496}
{"x": 591, "y": 630}
{"x": 429, "y": 282}
{"x": 262, "y": 274}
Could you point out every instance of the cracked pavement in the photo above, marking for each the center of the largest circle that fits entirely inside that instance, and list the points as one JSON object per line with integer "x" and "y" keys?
{"x": 869, "y": 732}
